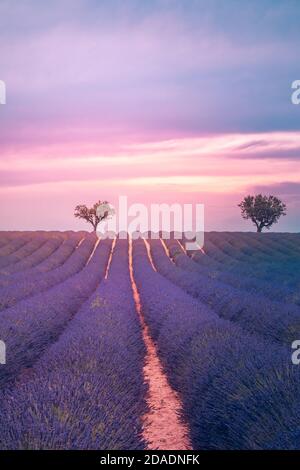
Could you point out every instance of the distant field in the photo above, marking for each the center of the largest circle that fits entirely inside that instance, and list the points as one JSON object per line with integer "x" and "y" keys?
{"x": 114, "y": 344}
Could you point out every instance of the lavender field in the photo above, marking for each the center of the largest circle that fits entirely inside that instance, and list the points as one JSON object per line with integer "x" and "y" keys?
{"x": 121, "y": 344}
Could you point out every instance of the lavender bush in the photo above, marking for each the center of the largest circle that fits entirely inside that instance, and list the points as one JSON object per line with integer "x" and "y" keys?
{"x": 16, "y": 249}
{"x": 39, "y": 253}
{"x": 87, "y": 391}
{"x": 41, "y": 264}
{"x": 238, "y": 390}
{"x": 271, "y": 289}
{"x": 274, "y": 320}
{"x": 26, "y": 286}
{"x": 33, "y": 324}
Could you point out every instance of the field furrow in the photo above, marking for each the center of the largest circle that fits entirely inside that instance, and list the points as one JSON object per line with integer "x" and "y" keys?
{"x": 252, "y": 312}
{"x": 33, "y": 324}
{"x": 125, "y": 345}
{"x": 55, "y": 259}
{"x": 38, "y": 283}
{"x": 224, "y": 375}
{"x": 272, "y": 290}
{"x": 87, "y": 390}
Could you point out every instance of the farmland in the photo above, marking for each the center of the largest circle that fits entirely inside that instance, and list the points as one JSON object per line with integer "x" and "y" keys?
{"x": 121, "y": 344}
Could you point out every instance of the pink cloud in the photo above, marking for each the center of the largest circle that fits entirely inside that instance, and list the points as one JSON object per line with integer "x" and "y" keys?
{"x": 212, "y": 170}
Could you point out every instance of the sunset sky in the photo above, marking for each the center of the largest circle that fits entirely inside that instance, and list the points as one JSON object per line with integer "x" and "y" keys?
{"x": 160, "y": 100}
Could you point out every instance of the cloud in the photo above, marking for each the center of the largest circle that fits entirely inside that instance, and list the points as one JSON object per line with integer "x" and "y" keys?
{"x": 286, "y": 188}
{"x": 166, "y": 68}
{"x": 227, "y": 162}
{"x": 163, "y": 97}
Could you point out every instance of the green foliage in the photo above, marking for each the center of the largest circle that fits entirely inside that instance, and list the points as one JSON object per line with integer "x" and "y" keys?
{"x": 264, "y": 211}
{"x": 92, "y": 214}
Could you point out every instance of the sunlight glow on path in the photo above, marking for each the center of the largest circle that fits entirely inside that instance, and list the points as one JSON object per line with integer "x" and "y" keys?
{"x": 94, "y": 249}
{"x": 110, "y": 258}
{"x": 149, "y": 254}
{"x": 162, "y": 427}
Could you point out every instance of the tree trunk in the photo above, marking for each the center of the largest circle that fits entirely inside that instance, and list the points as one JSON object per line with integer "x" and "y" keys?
{"x": 259, "y": 229}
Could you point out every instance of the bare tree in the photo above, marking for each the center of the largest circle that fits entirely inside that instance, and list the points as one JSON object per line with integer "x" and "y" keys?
{"x": 264, "y": 211}
{"x": 93, "y": 215}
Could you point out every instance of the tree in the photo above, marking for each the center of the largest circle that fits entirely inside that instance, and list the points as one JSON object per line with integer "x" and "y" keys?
{"x": 264, "y": 211}
{"x": 101, "y": 210}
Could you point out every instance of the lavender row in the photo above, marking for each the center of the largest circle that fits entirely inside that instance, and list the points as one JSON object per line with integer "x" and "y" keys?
{"x": 246, "y": 248}
{"x": 33, "y": 324}
{"x": 282, "y": 274}
{"x": 284, "y": 261}
{"x": 40, "y": 253}
{"x": 242, "y": 252}
{"x": 14, "y": 244}
{"x": 17, "y": 240}
{"x": 26, "y": 285}
{"x": 272, "y": 290}
{"x": 287, "y": 244}
{"x": 59, "y": 256}
{"x": 251, "y": 242}
{"x": 6, "y": 237}
{"x": 281, "y": 265}
{"x": 280, "y": 270}
{"x": 274, "y": 320}
{"x": 87, "y": 390}
{"x": 34, "y": 242}
{"x": 238, "y": 391}
{"x": 41, "y": 263}
{"x": 267, "y": 272}
{"x": 230, "y": 261}
{"x": 16, "y": 249}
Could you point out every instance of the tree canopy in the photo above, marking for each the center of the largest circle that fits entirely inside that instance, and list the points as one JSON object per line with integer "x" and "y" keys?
{"x": 264, "y": 211}
{"x": 95, "y": 214}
